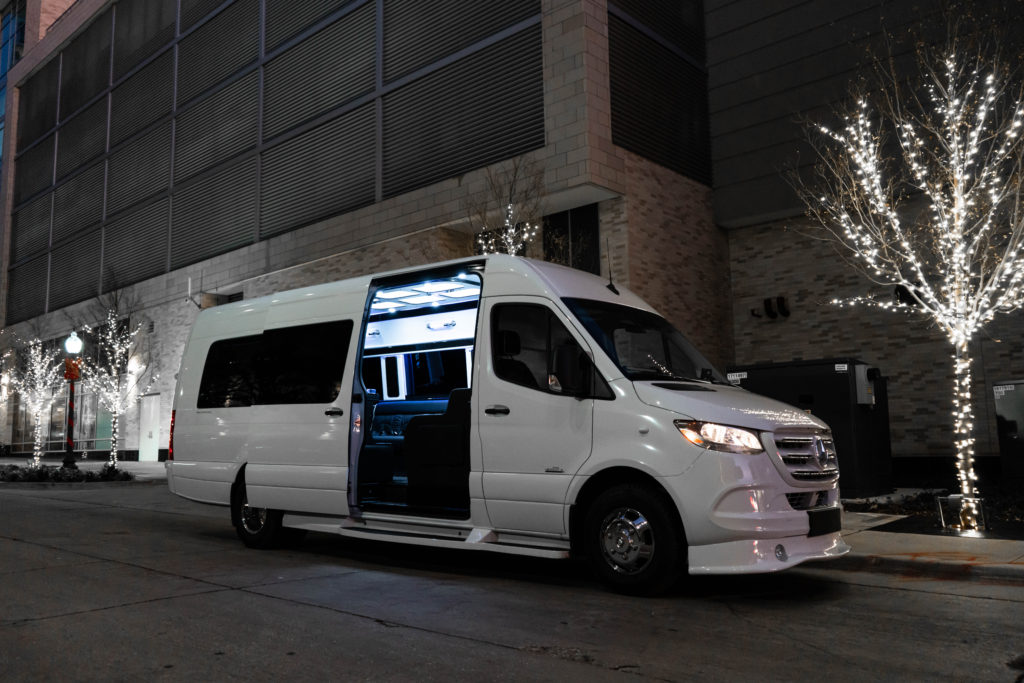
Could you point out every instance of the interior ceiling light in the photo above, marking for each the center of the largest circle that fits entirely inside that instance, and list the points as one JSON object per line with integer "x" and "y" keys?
{"x": 395, "y": 294}
{"x": 424, "y": 299}
{"x": 432, "y": 287}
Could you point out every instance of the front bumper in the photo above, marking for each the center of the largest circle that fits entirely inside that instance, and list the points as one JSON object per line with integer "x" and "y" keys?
{"x": 763, "y": 555}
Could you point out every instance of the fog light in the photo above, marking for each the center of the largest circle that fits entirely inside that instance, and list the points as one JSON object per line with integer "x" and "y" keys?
{"x": 780, "y": 553}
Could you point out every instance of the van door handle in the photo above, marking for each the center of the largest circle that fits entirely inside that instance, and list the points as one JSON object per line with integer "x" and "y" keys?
{"x": 334, "y": 412}
{"x": 496, "y": 410}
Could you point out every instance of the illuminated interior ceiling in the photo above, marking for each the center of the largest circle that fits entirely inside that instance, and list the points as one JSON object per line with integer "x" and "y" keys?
{"x": 427, "y": 294}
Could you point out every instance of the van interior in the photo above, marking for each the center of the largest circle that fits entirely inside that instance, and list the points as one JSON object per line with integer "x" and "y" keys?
{"x": 416, "y": 369}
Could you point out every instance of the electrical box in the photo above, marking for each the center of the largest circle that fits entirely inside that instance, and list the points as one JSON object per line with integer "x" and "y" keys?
{"x": 850, "y": 396}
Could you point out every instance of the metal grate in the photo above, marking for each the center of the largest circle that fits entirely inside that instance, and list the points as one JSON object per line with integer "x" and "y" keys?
{"x": 30, "y": 228}
{"x": 140, "y": 168}
{"x": 659, "y": 102}
{"x": 218, "y": 48}
{"x": 465, "y": 116}
{"x": 324, "y": 71}
{"x": 216, "y": 128}
{"x": 323, "y": 172}
{"x": 194, "y": 10}
{"x": 285, "y": 18}
{"x": 26, "y": 290}
{"x": 33, "y": 170}
{"x": 37, "y": 104}
{"x": 135, "y": 245}
{"x": 418, "y": 33}
{"x": 808, "y": 500}
{"x": 140, "y": 29}
{"x": 85, "y": 70}
{"x": 78, "y": 203}
{"x": 226, "y": 200}
{"x": 82, "y": 138}
{"x": 75, "y": 270}
{"x": 142, "y": 99}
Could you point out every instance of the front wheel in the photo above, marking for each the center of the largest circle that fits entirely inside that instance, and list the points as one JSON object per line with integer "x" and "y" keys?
{"x": 633, "y": 540}
{"x": 257, "y": 527}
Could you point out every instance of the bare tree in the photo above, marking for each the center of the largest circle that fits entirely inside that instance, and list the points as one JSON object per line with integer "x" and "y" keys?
{"x": 119, "y": 368}
{"x": 35, "y": 374}
{"x": 508, "y": 214}
{"x": 921, "y": 185}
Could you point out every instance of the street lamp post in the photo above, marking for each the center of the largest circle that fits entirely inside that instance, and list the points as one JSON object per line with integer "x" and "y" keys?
{"x": 73, "y": 346}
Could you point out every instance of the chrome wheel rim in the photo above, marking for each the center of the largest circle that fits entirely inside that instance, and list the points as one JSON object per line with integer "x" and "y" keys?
{"x": 253, "y": 519}
{"x": 627, "y": 541}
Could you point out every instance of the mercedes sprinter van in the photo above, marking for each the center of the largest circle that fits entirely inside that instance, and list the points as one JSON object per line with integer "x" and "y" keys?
{"x": 496, "y": 403}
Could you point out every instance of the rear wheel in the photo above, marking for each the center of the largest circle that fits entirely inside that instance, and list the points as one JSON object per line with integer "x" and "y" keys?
{"x": 257, "y": 527}
{"x": 633, "y": 540}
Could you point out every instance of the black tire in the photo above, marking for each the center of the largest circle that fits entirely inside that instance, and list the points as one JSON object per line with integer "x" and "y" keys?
{"x": 634, "y": 541}
{"x": 257, "y": 527}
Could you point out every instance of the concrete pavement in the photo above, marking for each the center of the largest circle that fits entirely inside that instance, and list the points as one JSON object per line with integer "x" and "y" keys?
{"x": 953, "y": 557}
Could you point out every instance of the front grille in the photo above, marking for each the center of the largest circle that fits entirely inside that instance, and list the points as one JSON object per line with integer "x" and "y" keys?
{"x": 808, "y": 456}
{"x": 808, "y": 500}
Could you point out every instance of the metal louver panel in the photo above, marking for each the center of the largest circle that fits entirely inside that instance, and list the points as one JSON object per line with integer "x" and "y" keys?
{"x": 658, "y": 102}
{"x": 30, "y": 228}
{"x": 421, "y": 32}
{"x": 194, "y": 10}
{"x": 464, "y": 116}
{"x": 140, "y": 168}
{"x": 26, "y": 290}
{"x": 141, "y": 27}
{"x": 326, "y": 70}
{"x": 218, "y": 48}
{"x": 74, "y": 271}
{"x": 680, "y": 22}
{"x": 214, "y": 214}
{"x": 143, "y": 98}
{"x": 37, "y": 105}
{"x": 78, "y": 203}
{"x": 135, "y": 245}
{"x": 33, "y": 170}
{"x": 285, "y": 18}
{"x": 82, "y": 138}
{"x": 216, "y": 128}
{"x": 326, "y": 171}
{"x": 85, "y": 72}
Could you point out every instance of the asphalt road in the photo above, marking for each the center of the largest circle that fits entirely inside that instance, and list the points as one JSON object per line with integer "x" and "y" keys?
{"x": 131, "y": 583}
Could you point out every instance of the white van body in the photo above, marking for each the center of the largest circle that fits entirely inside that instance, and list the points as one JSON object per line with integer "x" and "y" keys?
{"x": 487, "y": 403}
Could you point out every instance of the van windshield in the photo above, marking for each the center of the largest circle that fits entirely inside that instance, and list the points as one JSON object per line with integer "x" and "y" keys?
{"x": 644, "y": 345}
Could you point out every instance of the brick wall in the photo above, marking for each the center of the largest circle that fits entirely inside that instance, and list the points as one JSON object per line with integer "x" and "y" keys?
{"x": 782, "y": 260}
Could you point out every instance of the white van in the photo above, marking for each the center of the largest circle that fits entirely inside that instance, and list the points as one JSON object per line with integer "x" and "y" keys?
{"x": 496, "y": 403}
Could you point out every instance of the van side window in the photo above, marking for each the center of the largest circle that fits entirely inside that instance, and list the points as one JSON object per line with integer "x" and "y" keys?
{"x": 526, "y": 343}
{"x": 228, "y": 380}
{"x": 301, "y": 364}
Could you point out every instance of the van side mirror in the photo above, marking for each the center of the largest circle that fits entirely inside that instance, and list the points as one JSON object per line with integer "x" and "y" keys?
{"x": 571, "y": 366}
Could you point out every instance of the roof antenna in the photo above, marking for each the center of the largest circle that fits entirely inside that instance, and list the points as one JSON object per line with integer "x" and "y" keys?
{"x": 608, "y": 254}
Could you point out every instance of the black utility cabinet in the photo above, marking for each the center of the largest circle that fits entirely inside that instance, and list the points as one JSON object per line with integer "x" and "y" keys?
{"x": 850, "y": 396}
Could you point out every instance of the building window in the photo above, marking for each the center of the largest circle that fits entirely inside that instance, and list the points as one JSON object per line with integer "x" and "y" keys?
{"x": 571, "y": 239}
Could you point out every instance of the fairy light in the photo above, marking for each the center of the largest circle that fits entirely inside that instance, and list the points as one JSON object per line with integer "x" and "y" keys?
{"x": 36, "y": 376}
{"x": 510, "y": 238}
{"x": 960, "y": 147}
{"x": 115, "y": 372}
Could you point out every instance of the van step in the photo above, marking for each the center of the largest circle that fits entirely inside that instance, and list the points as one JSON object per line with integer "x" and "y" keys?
{"x": 436, "y": 542}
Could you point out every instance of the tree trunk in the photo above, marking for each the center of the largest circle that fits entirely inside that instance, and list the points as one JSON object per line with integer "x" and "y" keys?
{"x": 963, "y": 435}
{"x": 37, "y": 449}
{"x": 113, "y": 440}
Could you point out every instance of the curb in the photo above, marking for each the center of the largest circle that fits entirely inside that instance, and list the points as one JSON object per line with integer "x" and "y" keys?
{"x": 950, "y": 571}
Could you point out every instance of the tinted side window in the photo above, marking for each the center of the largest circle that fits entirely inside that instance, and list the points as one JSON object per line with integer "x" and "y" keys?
{"x": 303, "y": 364}
{"x": 228, "y": 380}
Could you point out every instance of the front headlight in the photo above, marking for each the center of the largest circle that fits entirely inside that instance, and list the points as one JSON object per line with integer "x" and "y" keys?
{"x": 719, "y": 437}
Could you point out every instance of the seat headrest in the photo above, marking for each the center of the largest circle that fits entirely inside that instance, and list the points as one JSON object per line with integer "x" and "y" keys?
{"x": 508, "y": 343}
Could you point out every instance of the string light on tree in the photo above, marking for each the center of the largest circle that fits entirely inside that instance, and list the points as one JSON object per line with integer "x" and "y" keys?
{"x": 924, "y": 189}
{"x": 37, "y": 373}
{"x": 116, "y": 372}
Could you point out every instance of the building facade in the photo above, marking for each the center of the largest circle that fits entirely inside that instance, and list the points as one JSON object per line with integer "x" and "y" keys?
{"x": 236, "y": 148}
{"x": 184, "y": 152}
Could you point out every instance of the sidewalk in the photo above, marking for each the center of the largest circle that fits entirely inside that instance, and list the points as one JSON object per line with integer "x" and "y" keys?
{"x": 950, "y": 556}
